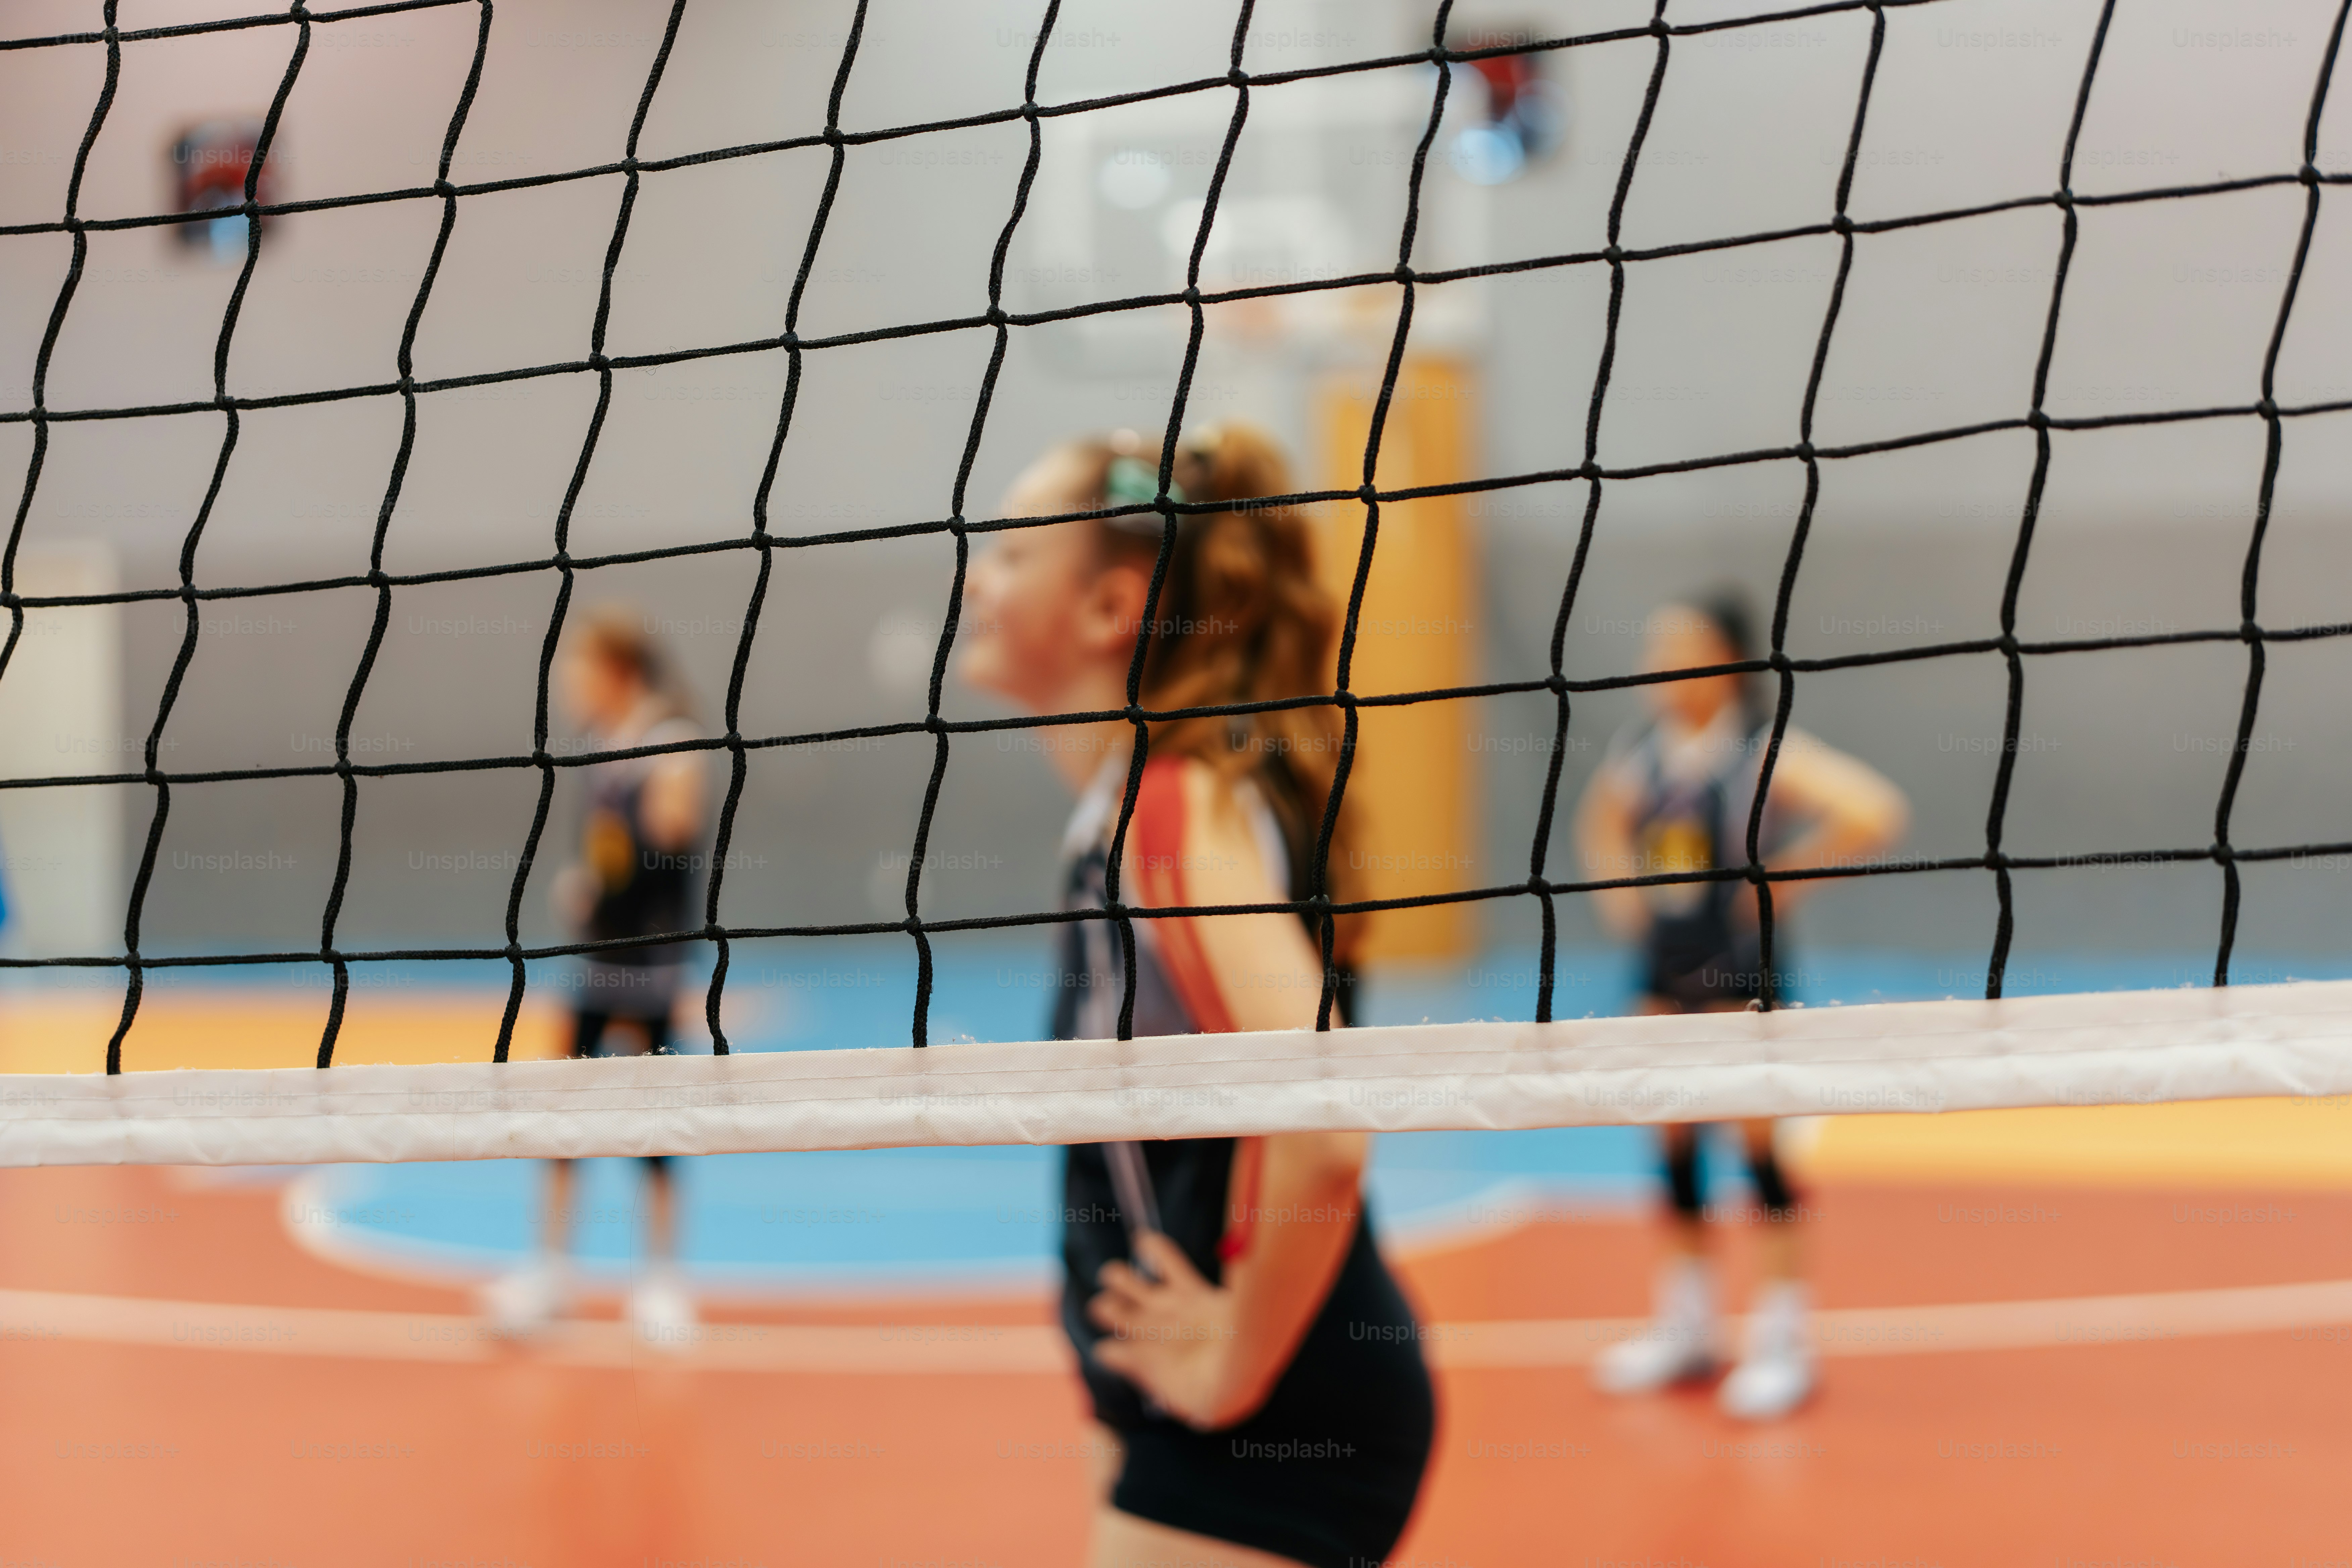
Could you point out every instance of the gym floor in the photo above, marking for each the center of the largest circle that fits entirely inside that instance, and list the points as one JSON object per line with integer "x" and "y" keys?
{"x": 2078, "y": 1336}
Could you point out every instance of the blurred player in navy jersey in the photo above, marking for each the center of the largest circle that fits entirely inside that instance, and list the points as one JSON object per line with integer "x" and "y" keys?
{"x": 1674, "y": 795}
{"x": 640, "y": 858}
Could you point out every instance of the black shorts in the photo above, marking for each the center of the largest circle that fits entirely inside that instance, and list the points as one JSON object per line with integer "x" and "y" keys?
{"x": 1327, "y": 1470}
{"x": 588, "y": 1033}
{"x": 1703, "y": 981}
{"x": 588, "y": 1040}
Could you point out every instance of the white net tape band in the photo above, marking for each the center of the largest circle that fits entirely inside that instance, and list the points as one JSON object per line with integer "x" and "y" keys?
{"x": 2082, "y": 1049}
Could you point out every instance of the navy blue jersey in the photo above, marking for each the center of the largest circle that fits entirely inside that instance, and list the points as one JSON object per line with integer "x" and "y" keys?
{"x": 1353, "y": 1416}
{"x": 642, "y": 890}
{"x": 1692, "y": 802}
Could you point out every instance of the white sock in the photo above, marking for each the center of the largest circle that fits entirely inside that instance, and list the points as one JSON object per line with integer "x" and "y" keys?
{"x": 1783, "y": 1318}
{"x": 1687, "y": 1294}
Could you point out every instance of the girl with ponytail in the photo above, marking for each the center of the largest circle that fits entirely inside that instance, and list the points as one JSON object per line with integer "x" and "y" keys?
{"x": 1226, "y": 1296}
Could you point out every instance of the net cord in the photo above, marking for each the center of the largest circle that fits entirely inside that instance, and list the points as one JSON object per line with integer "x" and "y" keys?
{"x": 2133, "y": 1047}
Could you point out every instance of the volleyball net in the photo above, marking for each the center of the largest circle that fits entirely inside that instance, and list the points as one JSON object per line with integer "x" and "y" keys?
{"x": 1535, "y": 1071}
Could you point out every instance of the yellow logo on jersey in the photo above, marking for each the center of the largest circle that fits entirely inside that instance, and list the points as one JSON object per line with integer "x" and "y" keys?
{"x": 610, "y": 850}
{"x": 1672, "y": 845}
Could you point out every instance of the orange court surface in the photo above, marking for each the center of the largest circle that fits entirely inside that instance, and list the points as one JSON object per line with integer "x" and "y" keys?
{"x": 2076, "y": 1336}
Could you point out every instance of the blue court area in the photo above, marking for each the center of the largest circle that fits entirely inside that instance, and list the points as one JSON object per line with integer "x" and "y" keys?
{"x": 966, "y": 1219}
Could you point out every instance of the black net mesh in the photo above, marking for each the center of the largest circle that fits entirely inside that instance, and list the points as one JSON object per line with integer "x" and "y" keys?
{"x": 1237, "y": 83}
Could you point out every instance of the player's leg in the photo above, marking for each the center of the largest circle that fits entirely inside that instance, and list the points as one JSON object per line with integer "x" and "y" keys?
{"x": 1678, "y": 1150}
{"x": 661, "y": 1211}
{"x": 1678, "y": 1344}
{"x": 556, "y": 1189}
{"x": 1781, "y": 1254}
{"x": 1777, "y": 1368}
{"x": 559, "y": 1187}
{"x": 530, "y": 1298}
{"x": 1123, "y": 1541}
{"x": 661, "y": 1309}
{"x": 1105, "y": 1454}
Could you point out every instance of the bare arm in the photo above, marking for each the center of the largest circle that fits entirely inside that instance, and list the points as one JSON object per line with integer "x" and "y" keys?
{"x": 1267, "y": 967}
{"x": 670, "y": 810}
{"x": 1210, "y": 1354}
{"x": 1855, "y": 812}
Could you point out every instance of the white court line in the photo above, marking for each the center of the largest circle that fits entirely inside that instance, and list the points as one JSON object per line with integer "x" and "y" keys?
{"x": 35, "y": 1316}
{"x": 44, "y": 1316}
{"x": 2080, "y": 1321}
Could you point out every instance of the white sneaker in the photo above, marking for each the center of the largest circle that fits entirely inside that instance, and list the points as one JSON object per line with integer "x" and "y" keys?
{"x": 1766, "y": 1388}
{"x": 528, "y": 1299}
{"x": 661, "y": 1312}
{"x": 1778, "y": 1372}
{"x": 1678, "y": 1343}
{"x": 1661, "y": 1355}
